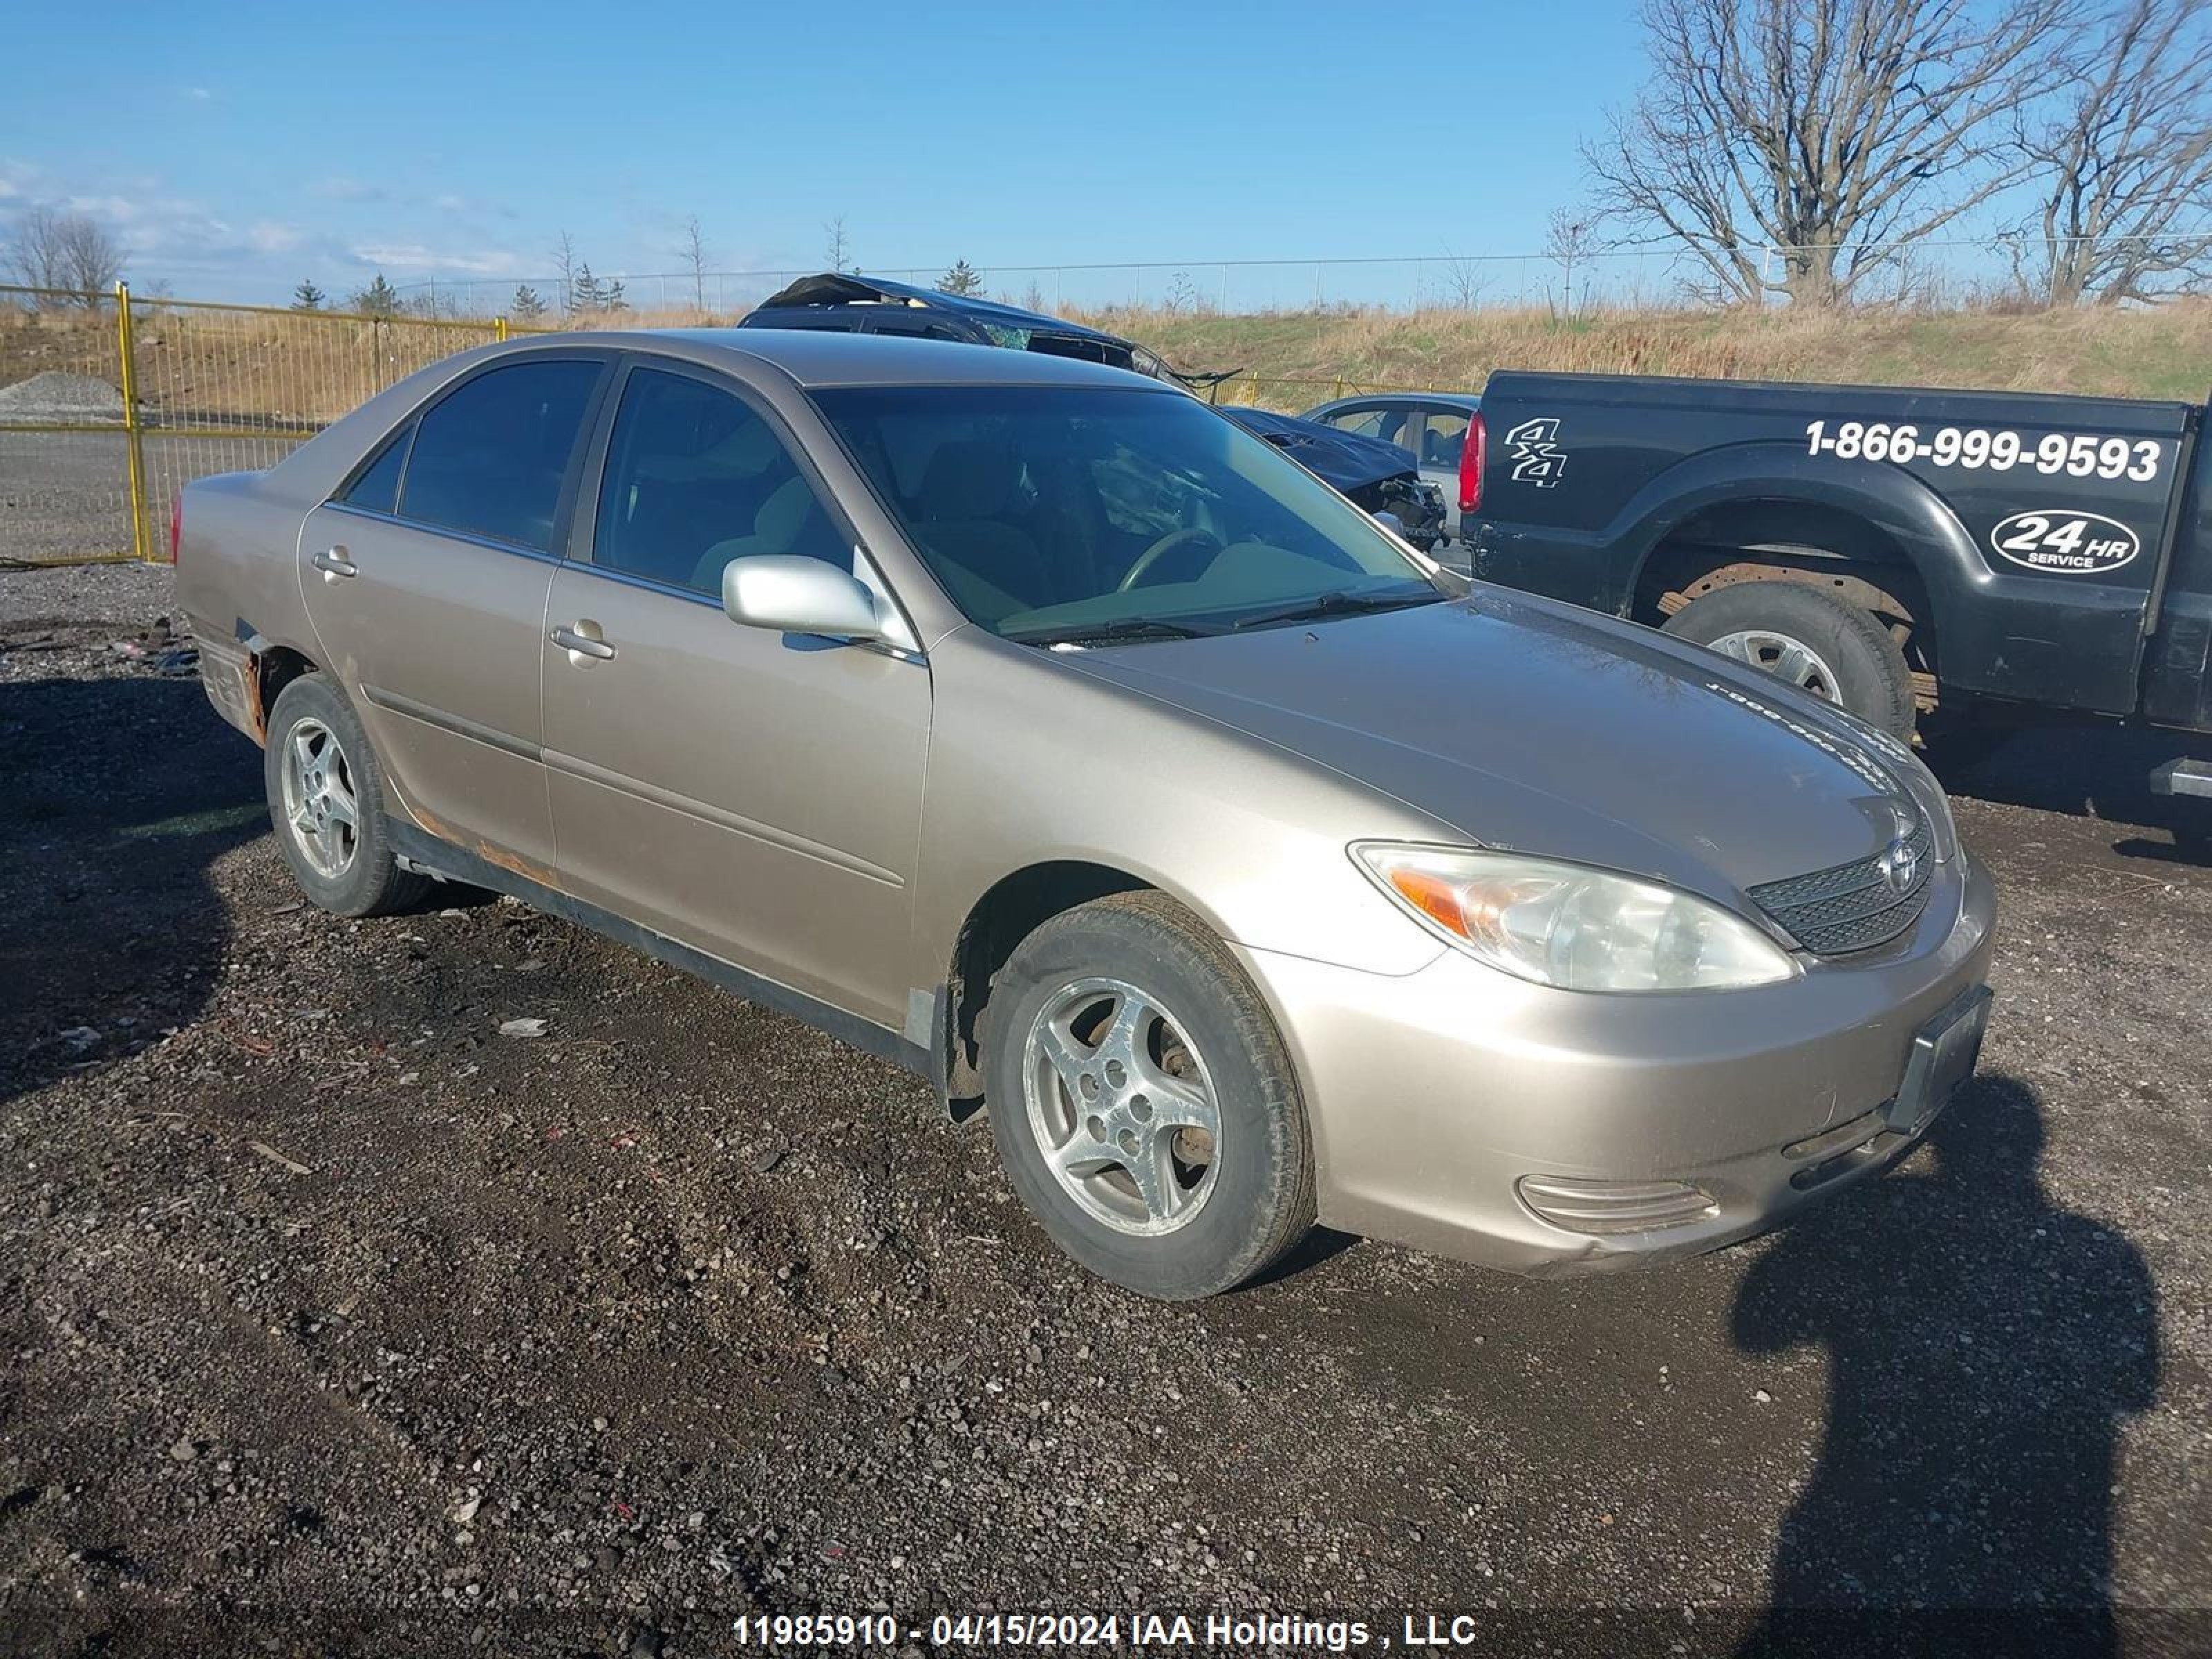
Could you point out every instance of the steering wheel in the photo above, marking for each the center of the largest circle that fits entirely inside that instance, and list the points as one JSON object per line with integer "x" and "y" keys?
{"x": 1189, "y": 535}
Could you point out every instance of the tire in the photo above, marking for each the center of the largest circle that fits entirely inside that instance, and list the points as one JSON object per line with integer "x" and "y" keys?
{"x": 1858, "y": 663}
{"x": 1203, "y": 1036}
{"x": 318, "y": 756}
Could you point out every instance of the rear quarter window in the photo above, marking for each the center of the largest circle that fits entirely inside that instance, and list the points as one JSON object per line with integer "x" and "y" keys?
{"x": 375, "y": 488}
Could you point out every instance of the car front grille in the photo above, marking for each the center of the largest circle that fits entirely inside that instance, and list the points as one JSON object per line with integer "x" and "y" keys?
{"x": 1851, "y": 906}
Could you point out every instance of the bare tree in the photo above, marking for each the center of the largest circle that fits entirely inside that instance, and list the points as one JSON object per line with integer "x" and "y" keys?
{"x": 1464, "y": 283}
{"x": 1571, "y": 238}
{"x": 2123, "y": 157}
{"x": 66, "y": 252}
{"x": 1828, "y": 130}
{"x": 694, "y": 255}
{"x": 836, "y": 251}
{"x": 564, "y": 267}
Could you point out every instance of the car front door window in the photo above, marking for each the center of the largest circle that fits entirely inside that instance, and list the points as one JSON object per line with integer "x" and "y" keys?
{"x": 695, "y": 478}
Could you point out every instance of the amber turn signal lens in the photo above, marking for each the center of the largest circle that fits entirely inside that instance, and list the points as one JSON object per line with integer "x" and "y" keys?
{"x": 1433, "y": 896}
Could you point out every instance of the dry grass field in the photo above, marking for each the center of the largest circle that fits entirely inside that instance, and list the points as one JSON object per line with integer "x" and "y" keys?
{"x": 1293, "y": 359}
{"x": 263, "y": 369}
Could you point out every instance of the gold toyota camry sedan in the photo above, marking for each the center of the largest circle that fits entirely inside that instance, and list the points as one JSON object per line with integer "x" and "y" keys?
{"x": 1026, "y": 722}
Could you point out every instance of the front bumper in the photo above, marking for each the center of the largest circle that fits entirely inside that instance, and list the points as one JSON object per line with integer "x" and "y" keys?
{"x": 1432, "y": 1095}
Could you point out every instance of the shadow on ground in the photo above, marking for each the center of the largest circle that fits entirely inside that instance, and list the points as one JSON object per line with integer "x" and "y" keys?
{"x": 121, "y": 793}
{"x": 1984, "y": 1348}
{"x": 2085, "y": 772}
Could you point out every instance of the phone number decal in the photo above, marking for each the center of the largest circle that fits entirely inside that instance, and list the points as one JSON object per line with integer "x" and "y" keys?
{"x": 2077, "y": 455}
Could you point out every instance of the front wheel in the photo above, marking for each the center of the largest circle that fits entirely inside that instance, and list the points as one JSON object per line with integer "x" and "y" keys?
{"x": 1810, "y": 639}
{"x": 1143, "y": 1102}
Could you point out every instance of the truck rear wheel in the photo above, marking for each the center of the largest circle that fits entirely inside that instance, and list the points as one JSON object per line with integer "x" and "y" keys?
{"x": 1815, "y": 641}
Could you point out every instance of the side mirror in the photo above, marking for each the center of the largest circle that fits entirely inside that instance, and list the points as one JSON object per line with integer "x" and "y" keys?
{"x": 795, "y": 595}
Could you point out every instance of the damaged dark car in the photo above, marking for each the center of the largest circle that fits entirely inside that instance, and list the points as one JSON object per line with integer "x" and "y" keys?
{"x": 1370, "y": 473}
{"x": 1379, "y": 476}
{"x": 852, "y": 304}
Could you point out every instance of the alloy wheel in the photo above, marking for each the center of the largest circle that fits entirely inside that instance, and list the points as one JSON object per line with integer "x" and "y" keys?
{"x": 321, "y": 808}
{"x": 1121, "y": 1106}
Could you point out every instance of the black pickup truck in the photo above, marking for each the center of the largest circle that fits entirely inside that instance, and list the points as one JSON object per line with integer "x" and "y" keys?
{"x": 1934, "y": 560}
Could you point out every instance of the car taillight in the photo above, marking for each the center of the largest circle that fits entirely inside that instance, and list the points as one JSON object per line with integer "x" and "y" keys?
{"x": 1470, "y": 466}
{"x": 176, "y": 526}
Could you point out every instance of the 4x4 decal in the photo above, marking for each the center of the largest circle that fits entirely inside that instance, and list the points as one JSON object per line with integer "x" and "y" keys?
{"x": 1537, "y": 457}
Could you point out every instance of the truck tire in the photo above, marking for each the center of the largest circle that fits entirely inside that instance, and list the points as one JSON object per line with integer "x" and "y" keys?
{"x": 1820, "y": 644}
{"x": 1144, "y": 1105}
{"x": 325, "y": 789}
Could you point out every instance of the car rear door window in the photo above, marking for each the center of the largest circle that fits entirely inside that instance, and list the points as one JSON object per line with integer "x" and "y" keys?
{"x": 489, "y": 458}
{"x": 694, "y": 477}
{"x": 1443, "y": 435}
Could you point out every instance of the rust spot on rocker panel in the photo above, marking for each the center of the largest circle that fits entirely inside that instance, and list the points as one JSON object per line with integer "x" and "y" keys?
{"x": 512, "y": 862}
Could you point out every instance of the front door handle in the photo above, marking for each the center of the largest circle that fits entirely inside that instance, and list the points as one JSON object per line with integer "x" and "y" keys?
{"x": 334, "y": 564}
{"x": 582, "y": 646}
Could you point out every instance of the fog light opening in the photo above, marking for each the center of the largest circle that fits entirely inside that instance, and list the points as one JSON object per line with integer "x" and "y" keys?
{"x": 1615, "y": 1206}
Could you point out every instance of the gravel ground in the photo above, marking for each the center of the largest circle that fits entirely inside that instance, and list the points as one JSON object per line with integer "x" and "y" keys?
{"x": 331, "y": 1318}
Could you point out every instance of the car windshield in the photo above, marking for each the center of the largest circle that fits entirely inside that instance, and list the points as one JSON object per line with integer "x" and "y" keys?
{"x": 1096, "y": 514}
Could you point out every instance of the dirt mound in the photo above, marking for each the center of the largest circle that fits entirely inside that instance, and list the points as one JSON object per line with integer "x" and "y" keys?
{"x": 56, "y": 396}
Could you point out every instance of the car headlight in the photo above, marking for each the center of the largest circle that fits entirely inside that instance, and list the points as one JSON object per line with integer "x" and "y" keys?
{"x": 1572, "y": 927}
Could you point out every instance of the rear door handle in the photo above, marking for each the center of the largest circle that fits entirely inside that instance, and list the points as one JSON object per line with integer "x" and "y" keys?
{"x": 334, "y": 564}
{"x": 578, "y": 644}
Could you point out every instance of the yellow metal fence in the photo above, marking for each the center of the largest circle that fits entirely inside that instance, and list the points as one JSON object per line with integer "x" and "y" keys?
{"x": 110, "y": 402}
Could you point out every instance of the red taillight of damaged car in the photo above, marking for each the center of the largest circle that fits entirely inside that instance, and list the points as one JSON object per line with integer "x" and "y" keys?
{"x": 1470, "y": 466}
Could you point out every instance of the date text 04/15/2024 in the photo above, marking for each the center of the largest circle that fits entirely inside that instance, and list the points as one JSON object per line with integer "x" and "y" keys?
{"x": 1140, "y": 1631}
{"x": 2077, "y": 455}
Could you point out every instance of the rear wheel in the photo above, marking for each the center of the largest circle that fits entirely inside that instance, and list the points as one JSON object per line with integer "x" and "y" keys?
{"x": 326, "y": 791}
{"x": 1142, "y": 1102}
{"x": 1815, "y": 641}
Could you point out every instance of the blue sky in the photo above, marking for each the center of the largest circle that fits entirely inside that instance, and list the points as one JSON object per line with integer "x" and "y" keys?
{"x": 245, "y": 145}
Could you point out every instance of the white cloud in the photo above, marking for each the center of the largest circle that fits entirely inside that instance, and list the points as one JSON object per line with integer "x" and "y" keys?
{"x": 418, "y": 256}
{"x": 264, "y": 236}
{"x": 199, "y": 94}
{"x": 120, "y": 209}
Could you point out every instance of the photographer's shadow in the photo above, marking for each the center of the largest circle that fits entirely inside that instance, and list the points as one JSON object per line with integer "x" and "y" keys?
{"x": 1984, "y": 1347}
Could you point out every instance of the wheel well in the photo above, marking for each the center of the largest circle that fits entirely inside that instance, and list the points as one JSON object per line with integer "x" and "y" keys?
{"x": 1001, "y": 920}
{"x": 269, "y": 669}
{"x": 1796, "y": 542}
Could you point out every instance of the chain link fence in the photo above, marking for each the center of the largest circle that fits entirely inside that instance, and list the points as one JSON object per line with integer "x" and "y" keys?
{"x": 1934, "y": 273}
{"x": 111, "y": 403}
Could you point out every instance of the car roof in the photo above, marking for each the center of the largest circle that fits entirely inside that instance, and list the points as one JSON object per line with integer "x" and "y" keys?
{"x": 1469, "y": 399}
{"x": 831, "y": 357}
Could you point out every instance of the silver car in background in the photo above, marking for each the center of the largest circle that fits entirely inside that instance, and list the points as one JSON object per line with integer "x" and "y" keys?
{"x": 1024, "y": 721}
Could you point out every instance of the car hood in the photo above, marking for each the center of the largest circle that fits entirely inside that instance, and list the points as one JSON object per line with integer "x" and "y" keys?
{"x": 1536, "y": 728}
